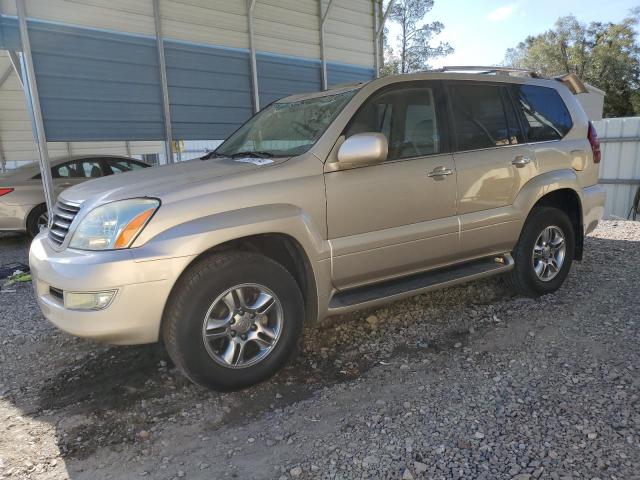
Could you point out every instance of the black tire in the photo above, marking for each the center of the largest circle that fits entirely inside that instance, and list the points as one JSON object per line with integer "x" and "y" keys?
{"x": 523, "y": 277}
{"x": 194, "y": 293}
{"x": 32, "y": 220}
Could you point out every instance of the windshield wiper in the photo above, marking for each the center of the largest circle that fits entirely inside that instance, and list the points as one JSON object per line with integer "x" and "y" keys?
{"x": 253, "y": 153}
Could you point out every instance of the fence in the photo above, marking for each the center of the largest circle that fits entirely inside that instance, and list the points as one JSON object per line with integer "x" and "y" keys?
{"x": 620, "y": 167}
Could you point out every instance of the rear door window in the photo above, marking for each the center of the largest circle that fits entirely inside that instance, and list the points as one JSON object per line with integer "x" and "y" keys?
{"x": 545, "y": 116}
{"x": 116, "y": 166}
{"x": 90, "y": 168}
{"x": 479, "y": 117}
{"x": 408, "y": 115}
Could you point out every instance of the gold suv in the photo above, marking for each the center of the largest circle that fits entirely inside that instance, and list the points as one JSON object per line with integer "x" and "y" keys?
{"x": 323, "y": 204}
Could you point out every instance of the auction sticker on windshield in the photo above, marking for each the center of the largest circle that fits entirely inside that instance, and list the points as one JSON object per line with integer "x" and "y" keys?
{"x": 255, "y": 161}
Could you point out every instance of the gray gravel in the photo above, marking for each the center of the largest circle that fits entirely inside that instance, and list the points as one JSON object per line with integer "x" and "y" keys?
{"x": 469, "y": 382}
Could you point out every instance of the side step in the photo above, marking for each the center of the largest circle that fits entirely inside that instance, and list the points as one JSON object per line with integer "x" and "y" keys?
{"x": 384, "y": 292}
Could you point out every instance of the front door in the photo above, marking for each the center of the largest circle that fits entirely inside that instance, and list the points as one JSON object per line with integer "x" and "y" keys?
{"x": 396, "y": 217}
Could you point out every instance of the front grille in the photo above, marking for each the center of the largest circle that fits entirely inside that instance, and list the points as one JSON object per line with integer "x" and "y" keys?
{"x": 63, "y": 215}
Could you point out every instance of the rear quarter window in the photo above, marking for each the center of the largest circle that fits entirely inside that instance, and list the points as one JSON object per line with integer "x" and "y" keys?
{"x": 544, "y": 114}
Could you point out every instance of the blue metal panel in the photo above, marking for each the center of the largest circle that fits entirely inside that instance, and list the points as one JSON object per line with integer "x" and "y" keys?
{"x": 279, "y": 76}
{"x": 209, "y": 89}
{"x": 338, "y": 73}
{"x": 9, "y": 34}
{"x": 100, "y": 85}
{"x": 96, "y": 85}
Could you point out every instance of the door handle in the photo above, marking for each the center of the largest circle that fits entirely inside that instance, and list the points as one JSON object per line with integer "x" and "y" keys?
{"x": 440, "y": 172}
{"x": 520, "y": 161}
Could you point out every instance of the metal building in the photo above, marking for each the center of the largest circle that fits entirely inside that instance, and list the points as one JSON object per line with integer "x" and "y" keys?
{"x": 101, "y": 65}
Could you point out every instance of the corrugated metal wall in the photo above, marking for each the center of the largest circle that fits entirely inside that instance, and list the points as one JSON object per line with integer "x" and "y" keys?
{"x": 96, "y": 61}
{"x": 16, "y": 138}
{"x": 620, "y": 166}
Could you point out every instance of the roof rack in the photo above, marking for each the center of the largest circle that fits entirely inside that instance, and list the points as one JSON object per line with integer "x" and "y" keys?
{"x": 570, "y": 80}
{"x": 490, "y": 70}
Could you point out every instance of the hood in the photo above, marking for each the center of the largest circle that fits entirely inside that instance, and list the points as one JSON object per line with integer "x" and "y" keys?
{"x": 163, "y": 180}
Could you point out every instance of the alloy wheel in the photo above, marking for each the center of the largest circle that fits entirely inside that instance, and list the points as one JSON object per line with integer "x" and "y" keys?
{"x": 242, "y": 325}
{"x": 549, "y": 253}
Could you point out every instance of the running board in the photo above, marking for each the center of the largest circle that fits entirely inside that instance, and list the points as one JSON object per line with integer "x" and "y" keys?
{"x": 391, "y": 290}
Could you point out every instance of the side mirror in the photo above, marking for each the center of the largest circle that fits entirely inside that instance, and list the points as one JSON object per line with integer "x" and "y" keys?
{"x": 363, "y": 149}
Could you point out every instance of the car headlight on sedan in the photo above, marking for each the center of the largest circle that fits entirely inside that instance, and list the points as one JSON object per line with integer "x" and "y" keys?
{"x": 114, "y": 225}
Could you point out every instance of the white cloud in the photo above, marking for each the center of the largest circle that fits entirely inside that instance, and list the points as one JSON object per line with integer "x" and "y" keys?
{"x": 501, "y": 13}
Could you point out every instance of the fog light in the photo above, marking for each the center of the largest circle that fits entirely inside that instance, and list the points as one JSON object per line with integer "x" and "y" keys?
{"x": 88, "y": 300}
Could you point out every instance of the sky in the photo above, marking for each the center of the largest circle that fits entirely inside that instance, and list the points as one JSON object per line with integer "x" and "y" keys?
{"x": 481, "y": 30}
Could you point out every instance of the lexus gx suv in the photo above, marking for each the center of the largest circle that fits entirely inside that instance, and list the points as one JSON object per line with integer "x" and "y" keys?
{"x": 323, "y": 204}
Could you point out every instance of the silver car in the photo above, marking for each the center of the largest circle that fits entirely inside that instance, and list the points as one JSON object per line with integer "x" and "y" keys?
{"x": 22, "y": 204}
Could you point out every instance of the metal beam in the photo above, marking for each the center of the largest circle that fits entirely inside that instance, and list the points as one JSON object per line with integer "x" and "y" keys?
{"x": 15, "y": 62}
{"x": 31, "y": 91}
{"x": 378, "y": 32}
{"x": 376, "y": 43}
{"x": 162, "y": 66}
{"x": 323, "y": 21}
{"x": 252, "y": 57}
{"x": 6, "y": 75}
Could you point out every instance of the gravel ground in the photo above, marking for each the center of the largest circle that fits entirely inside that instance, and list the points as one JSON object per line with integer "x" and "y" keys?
{"x": 468, "y": 382}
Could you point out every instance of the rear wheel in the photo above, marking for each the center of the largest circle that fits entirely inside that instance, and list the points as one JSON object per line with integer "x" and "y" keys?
{"x": 233, "y": 320}
{"x": 544, "y": 252}
{"x": 37, "y": 220}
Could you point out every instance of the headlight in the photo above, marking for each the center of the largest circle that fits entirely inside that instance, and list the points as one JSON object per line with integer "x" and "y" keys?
{"x": 113, "y": 225}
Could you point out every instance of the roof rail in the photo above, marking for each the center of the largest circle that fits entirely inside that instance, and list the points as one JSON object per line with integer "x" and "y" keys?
{"x": 490, "y": 70}
{"x": 570, "y": 80}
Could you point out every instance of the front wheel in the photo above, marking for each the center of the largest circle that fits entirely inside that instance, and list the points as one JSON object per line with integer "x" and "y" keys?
{"x": 544, "y": 252}
{"x": 233, "y": 320}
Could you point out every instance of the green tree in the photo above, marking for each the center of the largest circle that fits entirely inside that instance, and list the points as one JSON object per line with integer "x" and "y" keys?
{"x": 606, "y": 55}
{"x": 414, "y": 48}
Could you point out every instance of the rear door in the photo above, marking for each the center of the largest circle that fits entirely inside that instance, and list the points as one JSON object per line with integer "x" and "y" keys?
{"x": 546, "y": 120}
{"x": 491, "y": 158}
{"x": 396, "y": 217}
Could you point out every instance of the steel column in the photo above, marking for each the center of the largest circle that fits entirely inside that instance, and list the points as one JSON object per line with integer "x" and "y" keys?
{"x": 3, "y": 160}
{"x": 15, "y": 61}
{"x": 379, "y": 30}
{"x": 376, "y": 43}
{"x": 31, "y": 91}
{"x": 323, "y": 21}
{"x": 252, "y": 57}
{"x": 166, "y": 110}
{"x": 6, "y": 75}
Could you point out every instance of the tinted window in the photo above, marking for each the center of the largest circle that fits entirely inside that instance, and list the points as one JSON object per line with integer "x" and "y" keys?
{"x": 90, "y": 168}
{"x": 515, "y": 131}
{"x": 545, "y": 115}
{"x": 407, "y": 116}
{"x": 479, "y": 117}
{"x": 78, "y": 169}
{"x": 121, "y": 166}
{"x": 66, "y": 170}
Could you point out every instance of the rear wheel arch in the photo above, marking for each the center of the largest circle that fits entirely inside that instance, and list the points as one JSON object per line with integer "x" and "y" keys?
{"x": 567, "y": 200}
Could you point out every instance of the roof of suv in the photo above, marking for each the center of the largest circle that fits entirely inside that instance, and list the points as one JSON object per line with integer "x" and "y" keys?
{"x": 476, "y": 74}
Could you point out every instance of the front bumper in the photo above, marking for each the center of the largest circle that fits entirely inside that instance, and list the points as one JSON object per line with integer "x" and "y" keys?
{"x": 142, "y": 287}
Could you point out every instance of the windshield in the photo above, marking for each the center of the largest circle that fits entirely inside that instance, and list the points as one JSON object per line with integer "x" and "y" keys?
{"x": 285, "y": 129}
